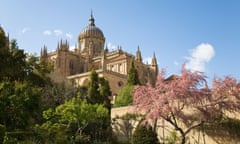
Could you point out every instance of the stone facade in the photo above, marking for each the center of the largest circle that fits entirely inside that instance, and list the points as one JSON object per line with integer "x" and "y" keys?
{"x": 74, "y": 66}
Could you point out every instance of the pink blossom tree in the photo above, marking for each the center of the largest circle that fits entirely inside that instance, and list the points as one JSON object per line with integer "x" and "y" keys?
{"x": 185, "y": 101}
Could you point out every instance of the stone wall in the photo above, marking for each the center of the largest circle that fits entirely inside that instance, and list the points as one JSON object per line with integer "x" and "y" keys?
{"x": 164, "y": 130}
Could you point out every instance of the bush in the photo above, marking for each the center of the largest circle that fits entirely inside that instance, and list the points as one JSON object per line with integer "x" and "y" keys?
{"x": 124, "y": 97}
{"x": 2, "y": 133}
{"x": 20, "y": 137}
{"x": 144, "y": 135}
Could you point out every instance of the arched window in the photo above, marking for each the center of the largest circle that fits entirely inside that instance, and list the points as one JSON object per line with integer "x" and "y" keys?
{"x": 120, "y": 84}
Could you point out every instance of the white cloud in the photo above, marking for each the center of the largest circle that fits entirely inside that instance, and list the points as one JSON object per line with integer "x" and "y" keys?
{"x": 58, "y": 32}
{"x": 199, "y": 57}
{"x": 175, "y": 63}
{"x": 147, "y": 60}
{"x": 24, "y": 30}
{"x": 69, "y": 35}
{"x": 111, "y": 46}
{"x": 47, "y": 32}
{"x": 72, "y": 47}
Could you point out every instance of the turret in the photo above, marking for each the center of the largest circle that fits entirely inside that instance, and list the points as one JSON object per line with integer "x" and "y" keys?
{"x": 138, "y": 56}
{"x": 44, "y": 52}
{"x": 63, "y": 46}
{"x": 106, "y": 48}
{"x": 154, "y": 64}
{"x": 154, "y": 60}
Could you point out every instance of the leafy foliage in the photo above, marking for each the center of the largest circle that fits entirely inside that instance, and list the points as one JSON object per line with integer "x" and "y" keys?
{"x": 105, "y": 93}
{"x": 19, "y": 105}
{"x": 172, "y": 138}
{"x": 18, "y": 66}
{"x": 99, "y": 93}
{"x": 144, "y": 135}
{"x": 37, "y": 71}
{"x": 2, "y": 132}
{"x": 93, "y": 88}
{"x": 75, "y": 113}
{"x": 21, "y": 137}
{"x": 22, "y": 78}
{"x": 132, "y": 78}
{"x": 12, "y": 62}
{"x": 124, "y": 97}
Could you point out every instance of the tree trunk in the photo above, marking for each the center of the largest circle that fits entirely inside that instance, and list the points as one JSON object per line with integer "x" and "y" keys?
{"x": 183, "y": 140}
{"x": 183, "y": 136}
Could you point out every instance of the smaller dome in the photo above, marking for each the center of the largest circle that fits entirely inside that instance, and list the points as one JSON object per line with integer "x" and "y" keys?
{"x": 91, "y": 30}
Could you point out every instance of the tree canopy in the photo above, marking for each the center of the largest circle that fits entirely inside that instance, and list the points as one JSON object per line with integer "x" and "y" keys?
{"x": 124, "y": 96}
{"x": 132, "y": 78}
{"x": 22, "y": 78}
{"x": 74, "y": 113}
{"x": 98, "y": 90}
{"x": 144, "y": 135}
{"x": 172, "y": 99}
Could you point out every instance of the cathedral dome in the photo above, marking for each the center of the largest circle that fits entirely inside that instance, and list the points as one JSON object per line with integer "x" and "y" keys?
{"x": 91, "y": 30}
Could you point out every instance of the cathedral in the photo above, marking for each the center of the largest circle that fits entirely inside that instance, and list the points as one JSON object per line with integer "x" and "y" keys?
{"x": 74, "y": 66}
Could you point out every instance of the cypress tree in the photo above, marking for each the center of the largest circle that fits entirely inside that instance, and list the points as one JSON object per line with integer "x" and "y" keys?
{"x": 93, "y": 88}
{"x": 105, "y": 92}
{"x": 132, "y": 78}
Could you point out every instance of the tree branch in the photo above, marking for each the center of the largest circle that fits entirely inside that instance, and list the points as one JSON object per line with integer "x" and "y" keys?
{"x": 192, "y": 127}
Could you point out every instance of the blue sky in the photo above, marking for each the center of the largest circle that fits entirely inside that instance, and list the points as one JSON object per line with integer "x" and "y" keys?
{"x": 204, "y": 34}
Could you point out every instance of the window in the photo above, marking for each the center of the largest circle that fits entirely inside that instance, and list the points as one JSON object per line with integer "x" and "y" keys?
{"x": 71, "y": 65}
{"x": 120, "y": 83}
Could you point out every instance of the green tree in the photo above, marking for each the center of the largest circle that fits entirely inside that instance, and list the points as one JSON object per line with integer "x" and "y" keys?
{"x": 93, "y": 88}
{"x": 4, "y": 54}
{"x": 16, "y": 63}
{"x": 2, "y": 133}
{"x": 105, "y": 93}
{"x": 37, "y": 71}
{"x": 99, "y": 93}
{"x": 19, "y": 105}
{"x": 3, "y": 38}
{"x": 75, "y": 113}
{"x": 144, "y": 135}
{"x": 124, "y": 97}
{"x": 57, "y": 93}
{"x": 22, "y": 78}
{"x": 132, "y": 77}
{"x": 99, "y": 90}
{"x": 12, "y": 62}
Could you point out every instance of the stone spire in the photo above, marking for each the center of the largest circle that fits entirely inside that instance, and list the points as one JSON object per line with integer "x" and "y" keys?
{"x": 44, "y": 51}
{"x": 91, "y": 20}
{"x": 138, "y": 55}
{"x": 155, "y": 65}
{"x": 154, "y": 60}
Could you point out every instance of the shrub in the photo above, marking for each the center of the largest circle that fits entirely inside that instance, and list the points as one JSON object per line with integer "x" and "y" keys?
{"x": 20, "y": 137}
{"x": 124, "y": 97}
{"x": 2, "y": 133}
{"x": 144, "y": 135}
